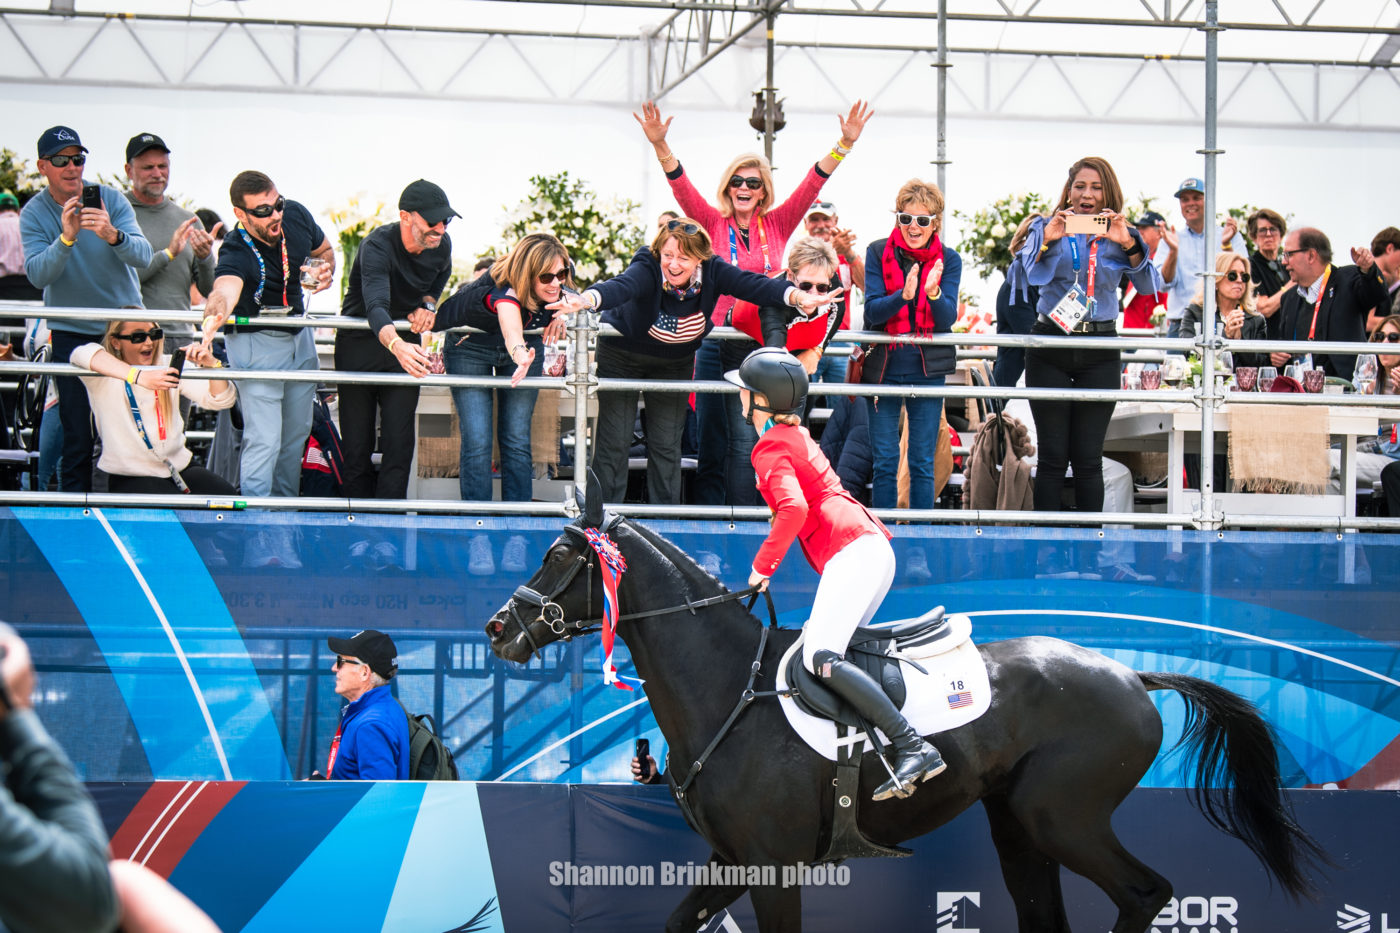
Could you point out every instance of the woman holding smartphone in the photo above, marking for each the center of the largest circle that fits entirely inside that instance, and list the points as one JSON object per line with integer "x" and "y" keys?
{"x": 133, "y": 392}
{"x": 1077, "y": 257}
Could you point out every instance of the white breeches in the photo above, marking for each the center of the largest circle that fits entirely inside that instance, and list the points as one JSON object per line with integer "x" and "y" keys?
{"x": 852, "y": 587}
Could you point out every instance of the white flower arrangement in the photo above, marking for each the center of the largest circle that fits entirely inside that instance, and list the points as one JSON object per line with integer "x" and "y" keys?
{"x": 600, "y": 235}
{"x": 989, "y": 231}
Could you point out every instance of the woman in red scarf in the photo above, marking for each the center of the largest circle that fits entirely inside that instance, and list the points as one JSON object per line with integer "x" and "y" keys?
{"x": 911, "y": 290}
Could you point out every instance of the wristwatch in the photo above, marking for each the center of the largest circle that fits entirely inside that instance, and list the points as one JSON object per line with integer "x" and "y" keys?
{"x": 121, "y": 237}
{"x": 430, "y": 307}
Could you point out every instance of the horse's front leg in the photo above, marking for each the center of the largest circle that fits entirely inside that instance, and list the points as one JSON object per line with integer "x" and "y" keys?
{"x": 777, "y": 907}
{"x": 703, "y": 902}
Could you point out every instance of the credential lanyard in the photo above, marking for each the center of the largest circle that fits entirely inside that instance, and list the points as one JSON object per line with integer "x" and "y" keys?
{"x": 175, "y": 476}
{"x": 762, "y": 243}
{"x": 1089, "y": 301}
{"x": 262, "y": 266}
{"x": 1317, "y": 305}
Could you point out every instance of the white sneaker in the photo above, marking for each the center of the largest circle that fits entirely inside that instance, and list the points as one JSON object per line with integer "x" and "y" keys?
{"x": 480, "y": 563}
{"x": 709, "y": 562}
{"x": 513, "y": 560}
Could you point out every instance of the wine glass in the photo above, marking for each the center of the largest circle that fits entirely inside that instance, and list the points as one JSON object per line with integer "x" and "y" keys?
{"x": 1267, "y": 375}
{"x": 1364, "y": 376}
{"x": 1246, "y": 378}
{"x": 310, "y": 278}
{"x": 1151, "y": 377}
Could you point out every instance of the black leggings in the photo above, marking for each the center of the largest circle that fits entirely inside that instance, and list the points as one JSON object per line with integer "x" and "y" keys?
{"x": 1070, "y": 433}
{"x": 197, "y": 478}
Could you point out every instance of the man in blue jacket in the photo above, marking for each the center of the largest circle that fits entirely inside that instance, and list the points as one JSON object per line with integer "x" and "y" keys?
{"x": 372, "y": 741}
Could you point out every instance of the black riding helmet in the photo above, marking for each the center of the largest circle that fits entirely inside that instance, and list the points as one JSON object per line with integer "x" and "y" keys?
{"x": 775, "y": 374}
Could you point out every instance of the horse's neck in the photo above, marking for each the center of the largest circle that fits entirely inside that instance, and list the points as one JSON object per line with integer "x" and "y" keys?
{"x": 694, "y": 665}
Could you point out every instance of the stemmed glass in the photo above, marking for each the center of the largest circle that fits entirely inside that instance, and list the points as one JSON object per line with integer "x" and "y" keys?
{"x": 1267, "y": 375}
{"x": 1364, "y": 376}
{"x": 310, "y": 278}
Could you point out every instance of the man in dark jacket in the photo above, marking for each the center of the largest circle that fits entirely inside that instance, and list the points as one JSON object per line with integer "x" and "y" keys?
{"x": 53, "y": 850}
{"x": 1328, "y": 302}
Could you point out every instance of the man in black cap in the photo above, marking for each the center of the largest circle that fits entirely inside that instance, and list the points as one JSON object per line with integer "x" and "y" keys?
{"x": 1140, "y": 308}
{"x": 399, "y": 271}
{"x": 371, "y": 743}
{"x": 184, "y": 251}
{"x": 82, "y": 257}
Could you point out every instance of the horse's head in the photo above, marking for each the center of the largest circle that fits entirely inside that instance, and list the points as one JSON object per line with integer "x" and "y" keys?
{"x": 564, "y": 598}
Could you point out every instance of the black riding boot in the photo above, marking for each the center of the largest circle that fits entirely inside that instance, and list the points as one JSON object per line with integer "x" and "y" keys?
{"x": 915, "y": 759}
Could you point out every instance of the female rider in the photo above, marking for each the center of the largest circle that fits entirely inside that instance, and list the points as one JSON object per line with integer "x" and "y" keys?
{"x": 750, "y": 229}
{"x": 843, "y": 542}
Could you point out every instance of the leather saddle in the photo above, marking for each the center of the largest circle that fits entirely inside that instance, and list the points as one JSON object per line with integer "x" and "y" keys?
{"x": 876, "y": 650}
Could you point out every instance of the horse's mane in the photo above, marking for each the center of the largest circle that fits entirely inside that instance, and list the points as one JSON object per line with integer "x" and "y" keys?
{"x": 686, "y": 565}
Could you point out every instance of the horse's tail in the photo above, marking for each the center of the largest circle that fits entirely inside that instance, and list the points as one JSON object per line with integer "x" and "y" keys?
{"x": 1236, "y": 784}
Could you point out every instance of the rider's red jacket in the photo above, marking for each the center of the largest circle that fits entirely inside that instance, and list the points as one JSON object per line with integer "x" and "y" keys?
{"x": 807, "y": 500}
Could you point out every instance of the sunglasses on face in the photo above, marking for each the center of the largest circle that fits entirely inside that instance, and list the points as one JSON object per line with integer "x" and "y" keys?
{"x": 1389, "y": 336}
{"x": 263, "y": 211}
{"x": 923, "y": 220}
{"x": 61, "y": 161}
{"x": 688, "y": 229}
{"x": 563, "y": 275}
{"x": 739, "y": 181}
{"x": 1234, "y": 275}
{"x": 340, "y": 662}
{"x": 821, "y": 287}
{"x": 141, "y": 336}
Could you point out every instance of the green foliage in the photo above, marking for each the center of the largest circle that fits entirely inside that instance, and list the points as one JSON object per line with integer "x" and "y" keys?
{"x": 601, "y": 236}
{"x": 17, "y": 177}
{"x": 989, "y": 231}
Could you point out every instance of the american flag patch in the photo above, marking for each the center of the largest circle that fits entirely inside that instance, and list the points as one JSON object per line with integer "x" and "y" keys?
{"x": 671, "y": 329}
{"x": 960, "y": 699}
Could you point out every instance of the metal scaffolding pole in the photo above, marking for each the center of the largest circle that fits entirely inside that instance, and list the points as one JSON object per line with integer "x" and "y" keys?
{"x": 942, "y": 66}
{"x": 1210, "y": 385}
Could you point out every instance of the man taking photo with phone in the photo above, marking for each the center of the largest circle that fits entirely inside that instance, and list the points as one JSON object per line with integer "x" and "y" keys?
{"x": 83, "y": 247}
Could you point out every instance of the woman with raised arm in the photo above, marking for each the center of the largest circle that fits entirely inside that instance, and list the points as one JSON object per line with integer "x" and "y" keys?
{"x": 503, "y": 302}
{"x": 749, "y": 229}
{"x": 663, "y": 305}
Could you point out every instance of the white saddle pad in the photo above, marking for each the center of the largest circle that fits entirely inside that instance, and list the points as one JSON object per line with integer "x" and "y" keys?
{"x": 953, "y": 693}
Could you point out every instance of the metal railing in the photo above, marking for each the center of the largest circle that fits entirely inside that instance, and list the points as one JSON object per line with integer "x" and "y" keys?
{"x": 582, "y": 383}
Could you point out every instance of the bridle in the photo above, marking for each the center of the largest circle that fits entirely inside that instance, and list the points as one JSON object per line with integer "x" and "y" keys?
{"x": 551, "y": 613}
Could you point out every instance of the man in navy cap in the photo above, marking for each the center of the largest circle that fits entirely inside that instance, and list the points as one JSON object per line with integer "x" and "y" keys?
{"x": 82, "y": 257}
{"x": 1186, "y": 252}
{"x": 372, "y": 741}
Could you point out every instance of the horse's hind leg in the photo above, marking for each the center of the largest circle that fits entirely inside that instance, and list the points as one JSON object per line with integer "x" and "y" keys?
{"x": 1032, "y": 877}
{"x": 702, "y": 903}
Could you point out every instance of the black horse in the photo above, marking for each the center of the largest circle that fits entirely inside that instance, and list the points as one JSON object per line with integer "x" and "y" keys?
{"x": 1049, "y": 775}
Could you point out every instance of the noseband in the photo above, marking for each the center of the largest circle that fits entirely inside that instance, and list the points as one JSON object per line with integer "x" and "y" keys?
{"x": 549, "y": 611}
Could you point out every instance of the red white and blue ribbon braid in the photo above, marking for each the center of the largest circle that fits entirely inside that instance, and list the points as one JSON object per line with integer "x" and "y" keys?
{"x": 613, "y": 565}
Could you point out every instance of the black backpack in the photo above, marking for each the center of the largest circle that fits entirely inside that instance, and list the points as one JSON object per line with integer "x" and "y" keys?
{"x": 429, "y": 759}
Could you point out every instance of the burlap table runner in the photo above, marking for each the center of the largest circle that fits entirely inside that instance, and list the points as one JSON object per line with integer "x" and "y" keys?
{"x": 1279, "y": 448}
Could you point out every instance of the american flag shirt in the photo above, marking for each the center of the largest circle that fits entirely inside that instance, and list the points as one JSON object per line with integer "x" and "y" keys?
{"x": 682, "y": 328}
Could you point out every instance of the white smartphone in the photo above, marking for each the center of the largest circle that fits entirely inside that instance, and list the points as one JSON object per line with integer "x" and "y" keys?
{"x": 1092, "y": 224}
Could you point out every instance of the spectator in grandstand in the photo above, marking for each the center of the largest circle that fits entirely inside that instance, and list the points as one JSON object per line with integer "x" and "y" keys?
{"x": 482, "y": 264}
{"x": 82, "y": 257}
{"x": 1234, "y": 307}
{"x": 1329, "y": 302}
{"x": 1137, "y": 313}
{"x": 1388, "y": 375}
{"x": 134, "y": 396}
{"x": 1385, "y": 246}
{"x": 1186, "y": 251}
{"x": 750, "y": 229}
{"x": 912, "y": 292}
{"x": 663, "y": 305}
{"x": 184, "y": 262}
{"x": 505, "y": 301}
{"x": 1266, "y": 266}
{"x": 666, "y": 217}
{"x": 1065, "y": 267}
{"x": 371, "y": 743}
{"x": 255, "y": 279}
{"x": 1015, "y": 315}
{"x": 823, "y": 223}
{"x": 14, "y": 284}
{"x": 53, "y": 849}
{"x": 812, "y": 267}
{"x": 399, "y": 269}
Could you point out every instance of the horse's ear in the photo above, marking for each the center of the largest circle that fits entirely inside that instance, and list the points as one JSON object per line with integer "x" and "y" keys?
{"x": 593, "y": 502}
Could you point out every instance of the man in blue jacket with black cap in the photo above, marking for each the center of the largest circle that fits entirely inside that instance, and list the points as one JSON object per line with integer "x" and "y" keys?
{"x": 372, "y": 741}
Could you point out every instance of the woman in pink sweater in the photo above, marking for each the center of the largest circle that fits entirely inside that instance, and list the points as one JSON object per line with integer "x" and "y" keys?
{"x": 749, "y": 229}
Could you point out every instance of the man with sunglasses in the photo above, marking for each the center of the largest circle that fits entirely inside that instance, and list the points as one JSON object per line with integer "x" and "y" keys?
{"x": 371, "y": 743}
{"x": 82, "y": 257}
{"x": 1326, "y": 302}
{"x": 399, "y": 271}
{"x": 257, "y": 278}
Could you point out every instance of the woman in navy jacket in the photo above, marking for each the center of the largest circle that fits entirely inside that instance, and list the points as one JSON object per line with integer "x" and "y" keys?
{"x": 662, "y": 306}
{"x": 911, "y": 289}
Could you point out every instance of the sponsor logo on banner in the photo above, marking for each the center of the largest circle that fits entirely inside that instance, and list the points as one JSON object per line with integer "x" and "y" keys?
{"x": 1218, "y": 914}
{"x": 955, "y": 909}
{"x": 1358, "y": 920}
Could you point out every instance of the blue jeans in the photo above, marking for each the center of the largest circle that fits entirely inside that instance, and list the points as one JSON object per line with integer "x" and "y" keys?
{"x": 1174, "y": 327}
{"x": 276, "y": 415}
{"x": 474, "y": 414}
{"x": 712, "y": 426}
{"x": 741, "y": 486}
{"x": 924, "y": 417}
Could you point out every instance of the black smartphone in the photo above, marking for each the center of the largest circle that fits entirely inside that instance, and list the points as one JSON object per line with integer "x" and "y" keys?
{"x": 92, "y": 197}
{"x": 177, "y": 362}
{"x": 643, "y": 753}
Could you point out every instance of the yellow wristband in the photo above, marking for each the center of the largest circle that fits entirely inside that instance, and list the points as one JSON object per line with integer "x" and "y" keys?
{"x": 1043, "y": 246}
{"x": 64, "y": 240}
{"x": 217, "y": 364}
{"x": 392, "y": 342}
{"x": 169, "y": 255}
{"x": 131, "y": 375}
{"x": 838, "y": 157}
